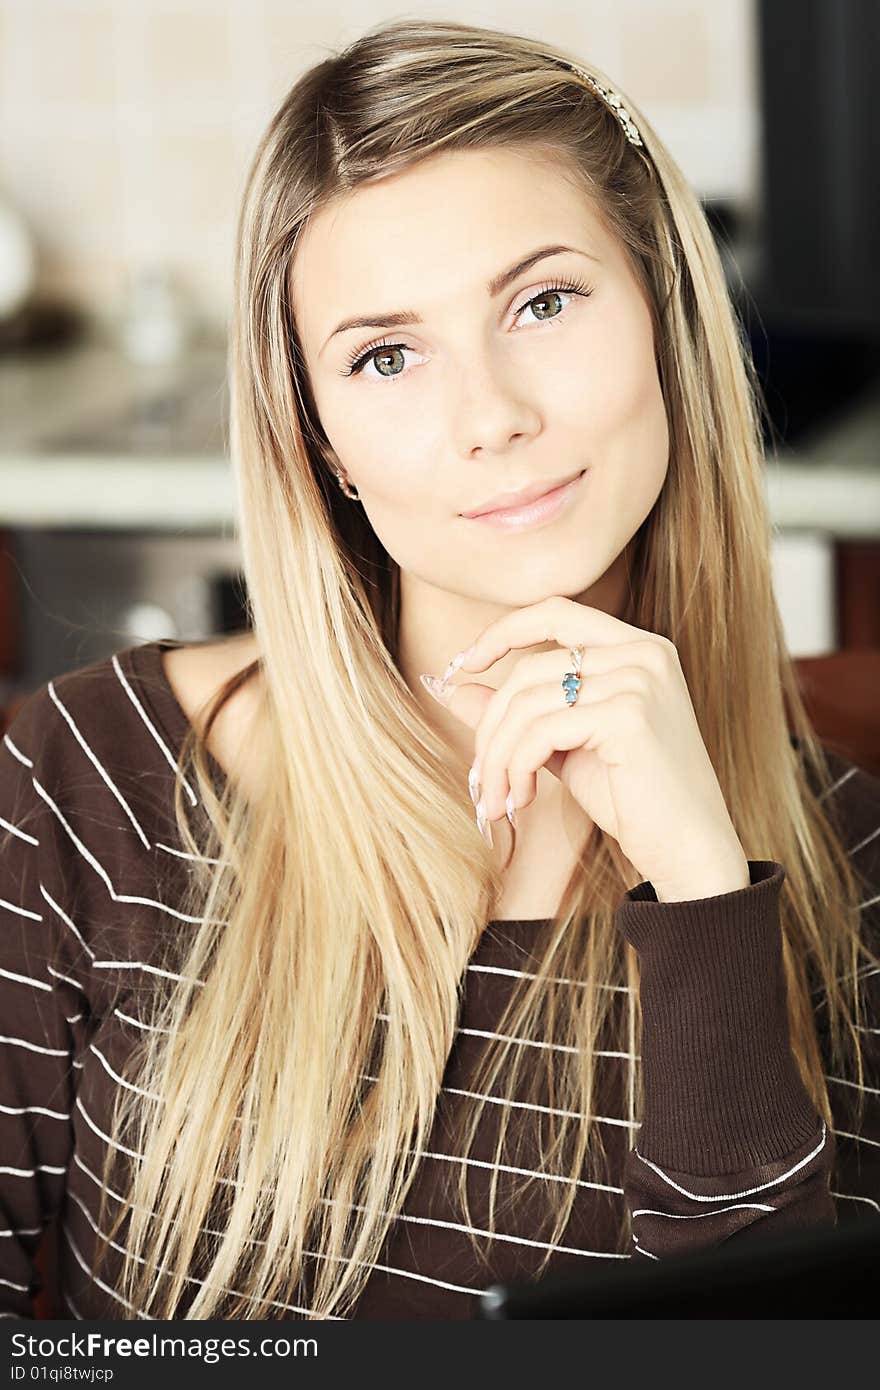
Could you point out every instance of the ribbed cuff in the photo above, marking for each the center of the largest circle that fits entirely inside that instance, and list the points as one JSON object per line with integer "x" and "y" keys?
{"x": 722, "y": 1089}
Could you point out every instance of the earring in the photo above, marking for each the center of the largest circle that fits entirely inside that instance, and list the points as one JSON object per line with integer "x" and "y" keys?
{"x": 349, "y": 492}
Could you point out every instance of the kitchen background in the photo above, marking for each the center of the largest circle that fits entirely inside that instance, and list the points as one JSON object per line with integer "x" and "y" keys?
{"x": 125, "y": 131}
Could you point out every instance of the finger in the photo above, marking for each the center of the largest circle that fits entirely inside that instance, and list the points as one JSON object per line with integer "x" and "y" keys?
{"x": 467, "y": 701}
{"x": 540, "y": 668}
{"x": 554, "y": 619}
{"x": 547, "y": 739}
{"x": 609, "y": 727}
{"x": 531, "y": 672}
{"x": 511, "y": 755}
{"x": 494, "y": 751}
{"x": 523, "y": 788}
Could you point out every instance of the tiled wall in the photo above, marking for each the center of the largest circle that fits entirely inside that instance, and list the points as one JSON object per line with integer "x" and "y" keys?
{"x": 126, "y": 125}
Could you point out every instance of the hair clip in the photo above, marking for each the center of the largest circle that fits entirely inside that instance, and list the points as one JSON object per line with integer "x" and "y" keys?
{"x": 611, "y": 99}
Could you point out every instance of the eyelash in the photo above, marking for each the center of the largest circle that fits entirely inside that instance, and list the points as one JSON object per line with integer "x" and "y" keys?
{"x": 360, "y": 356}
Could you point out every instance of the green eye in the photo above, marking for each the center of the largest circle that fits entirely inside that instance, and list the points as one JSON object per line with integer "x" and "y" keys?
{"x": 382, "y": 350}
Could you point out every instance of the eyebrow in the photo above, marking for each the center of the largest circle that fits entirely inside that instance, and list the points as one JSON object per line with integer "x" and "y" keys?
{"x": 399, "y": 318}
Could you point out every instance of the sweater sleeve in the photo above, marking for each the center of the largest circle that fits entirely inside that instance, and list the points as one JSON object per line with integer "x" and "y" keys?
{"x": 40, "y": 1001}
{"x": 730, "y": 1143}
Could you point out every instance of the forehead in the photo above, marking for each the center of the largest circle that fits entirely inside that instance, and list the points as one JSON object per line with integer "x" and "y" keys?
{"x": 439, "y": 229}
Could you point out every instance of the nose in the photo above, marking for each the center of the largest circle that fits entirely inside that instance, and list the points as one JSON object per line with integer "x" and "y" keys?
{"x": 489, "y": 408}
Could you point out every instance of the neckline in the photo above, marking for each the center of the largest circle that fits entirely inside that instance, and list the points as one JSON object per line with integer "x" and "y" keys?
{"x": 156, "y": 691}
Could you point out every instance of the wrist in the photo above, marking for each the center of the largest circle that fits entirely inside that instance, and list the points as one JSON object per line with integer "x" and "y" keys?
{"x": 714, "y": 873}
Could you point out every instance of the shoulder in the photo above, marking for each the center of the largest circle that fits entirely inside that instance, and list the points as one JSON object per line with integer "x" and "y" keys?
{"x": 83, "y": 802}
{"x": 196, "y": 671}
{"x": 195, "y": 674}
{"x": 87, "y": 816}
{"x": 89, "y": 763}
{"x": 95, "y": 715}
{"x": 130, "y": 711}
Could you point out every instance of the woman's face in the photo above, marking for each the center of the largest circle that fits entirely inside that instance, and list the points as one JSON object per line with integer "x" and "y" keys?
{"x": 482, "y": 392}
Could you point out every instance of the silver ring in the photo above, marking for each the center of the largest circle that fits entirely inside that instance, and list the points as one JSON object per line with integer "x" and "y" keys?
{"x": 571, "y": 681}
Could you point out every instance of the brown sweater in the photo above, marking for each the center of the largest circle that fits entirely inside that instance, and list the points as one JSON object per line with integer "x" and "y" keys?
{"x": 728, "y": 1146}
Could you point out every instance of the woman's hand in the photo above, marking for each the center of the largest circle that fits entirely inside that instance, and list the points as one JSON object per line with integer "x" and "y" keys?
{"x": 629, "y": 749}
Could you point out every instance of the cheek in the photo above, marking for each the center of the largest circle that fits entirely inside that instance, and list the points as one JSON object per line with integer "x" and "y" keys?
{"x": 398, "y": 498}
{"x": 629, "y": 436}
{"x": 394, "y": 469}
{"x": 621, "y": 405}
{"x": 390, "y": 462}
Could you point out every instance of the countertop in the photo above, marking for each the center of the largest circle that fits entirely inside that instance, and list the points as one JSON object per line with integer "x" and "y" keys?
{"x": 89, "y": 439}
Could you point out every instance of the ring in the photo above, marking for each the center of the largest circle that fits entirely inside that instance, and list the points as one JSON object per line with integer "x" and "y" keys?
{"x": 571, "y": 681}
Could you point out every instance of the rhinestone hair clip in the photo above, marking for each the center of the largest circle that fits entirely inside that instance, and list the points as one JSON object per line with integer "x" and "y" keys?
{"x": 611, "y": 99}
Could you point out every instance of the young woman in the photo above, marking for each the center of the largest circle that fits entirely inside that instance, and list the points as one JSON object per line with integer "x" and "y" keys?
{"x": 294, "y": 1028}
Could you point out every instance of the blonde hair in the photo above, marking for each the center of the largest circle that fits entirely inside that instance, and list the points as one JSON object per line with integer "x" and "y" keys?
{"x": 338, "y": 910}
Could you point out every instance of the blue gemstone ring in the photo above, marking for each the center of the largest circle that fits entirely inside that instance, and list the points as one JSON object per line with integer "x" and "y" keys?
{"x": 571, "y": 681}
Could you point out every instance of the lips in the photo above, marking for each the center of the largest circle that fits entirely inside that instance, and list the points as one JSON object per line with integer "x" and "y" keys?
{"x": 506, "y": 500}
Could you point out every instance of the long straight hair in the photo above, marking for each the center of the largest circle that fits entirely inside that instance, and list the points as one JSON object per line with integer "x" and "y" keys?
{"x": 288, "y": 1078}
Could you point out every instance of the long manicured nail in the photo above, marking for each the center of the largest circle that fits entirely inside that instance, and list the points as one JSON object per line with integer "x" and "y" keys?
{"x": 511, "y": 809}
{"x": 474, "y": 782}
{"x": 438, "y": 688}
{"x": 453, "y": 666}
{"x": 483, "y": 823}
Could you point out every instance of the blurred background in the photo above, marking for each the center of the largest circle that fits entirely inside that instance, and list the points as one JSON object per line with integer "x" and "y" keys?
{"x": 125, "y": 133}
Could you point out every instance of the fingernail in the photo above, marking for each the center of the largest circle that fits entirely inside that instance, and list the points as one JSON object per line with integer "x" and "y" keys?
{"x": 511, "y": 809}
{"x": 454, "y": 665}
{"x": 437, "y": 687}
{"x": 474, "y": 782}
{"x": 483, "y": 823}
